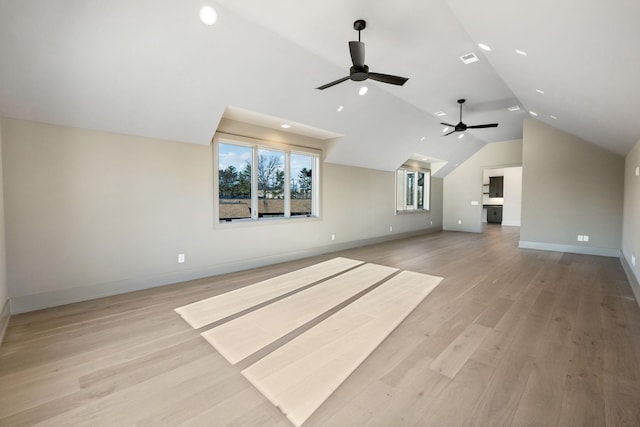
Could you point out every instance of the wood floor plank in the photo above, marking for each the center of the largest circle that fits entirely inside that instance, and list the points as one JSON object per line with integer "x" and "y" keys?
{"x": 622, "y": 402}
{"x": 457, "y": 401}
{"x": 243, "y": 336}
{"x": 299, "y": 376}
{"x": 492, "y": 315}
{"x": 204, "y": 312}
{"x": 541, "y": 401}
{"x": 453, "y": 358}
{"x": 500, "y": 400}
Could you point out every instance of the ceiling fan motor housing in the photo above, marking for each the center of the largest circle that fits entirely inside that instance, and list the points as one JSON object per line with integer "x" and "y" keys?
{"x": 358, "y": 74}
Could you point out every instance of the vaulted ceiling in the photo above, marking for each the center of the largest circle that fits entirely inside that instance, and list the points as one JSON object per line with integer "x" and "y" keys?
{"x": 153, "y": 69}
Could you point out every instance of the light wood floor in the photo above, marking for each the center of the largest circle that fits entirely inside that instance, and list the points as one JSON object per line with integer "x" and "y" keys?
{"x": 510, "y": 337}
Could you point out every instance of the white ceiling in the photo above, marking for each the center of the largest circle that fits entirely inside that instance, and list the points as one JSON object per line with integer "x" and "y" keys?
{"x": 153, "y": 69}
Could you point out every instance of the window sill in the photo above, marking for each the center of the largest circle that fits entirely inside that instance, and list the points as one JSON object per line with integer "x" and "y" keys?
{"x": 413, "y": 211}
{"x": 248, "y": 222}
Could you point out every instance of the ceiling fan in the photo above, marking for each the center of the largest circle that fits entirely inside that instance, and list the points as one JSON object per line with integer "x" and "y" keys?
{"x": 461, "y": 127}
{"x": 359, "y": 71}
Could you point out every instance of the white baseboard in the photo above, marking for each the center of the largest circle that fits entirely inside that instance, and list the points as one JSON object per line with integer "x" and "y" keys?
{"x": 633, "y": 280}
{"x": 5, "y": 315}
{"x": 585, "y": 250}
{"x": 43, "y": 300}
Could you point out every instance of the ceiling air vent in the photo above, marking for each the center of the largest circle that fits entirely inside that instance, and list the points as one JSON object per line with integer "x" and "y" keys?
{"x": 469, "y": 58}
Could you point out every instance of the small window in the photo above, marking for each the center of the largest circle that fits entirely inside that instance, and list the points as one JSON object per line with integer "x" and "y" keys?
{"x": 412, "y": 190}
{"x": 283, "y": 183}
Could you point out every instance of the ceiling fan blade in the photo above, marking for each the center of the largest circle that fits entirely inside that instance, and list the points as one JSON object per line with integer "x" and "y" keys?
{"x": 448, "y": 124}
{"x": 386, "y": 78}
{"x": 453, "y": 131}
{"x": 344, "y": 79}
{"x": 490, "y": 125}
{"x": 357, "y": 54}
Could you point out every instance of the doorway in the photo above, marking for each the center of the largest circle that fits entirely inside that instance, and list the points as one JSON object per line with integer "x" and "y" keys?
{"x": 502, "y": 196}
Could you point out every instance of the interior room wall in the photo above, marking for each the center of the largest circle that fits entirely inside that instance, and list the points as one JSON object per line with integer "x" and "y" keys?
{"x": 512, "y": 210}
{"x": 463, "y": 186}
{"x": 4, "y": 306}
{"x": 92, "y": 213}
{"x": 570, "y": 187}
{"x": 631, "y": 222}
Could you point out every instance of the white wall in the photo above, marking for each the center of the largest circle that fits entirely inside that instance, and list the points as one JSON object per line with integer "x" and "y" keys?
{"x": 464, "y": 184}
{"x": 4, "y": 307}
{"x": 570, "y": 188}
{"x": 512, "y": 210}
{"x": 631, "y": 221}
{"x": 93, "y": 213}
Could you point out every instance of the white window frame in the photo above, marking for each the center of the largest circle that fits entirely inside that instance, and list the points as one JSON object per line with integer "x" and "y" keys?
{"x": 256, "y": 145}
{"x": 402, "y": 207}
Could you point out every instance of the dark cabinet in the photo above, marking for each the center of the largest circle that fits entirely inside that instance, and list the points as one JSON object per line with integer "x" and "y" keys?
{"x": 494, "y": 214}
{"x": 495, "y": 186}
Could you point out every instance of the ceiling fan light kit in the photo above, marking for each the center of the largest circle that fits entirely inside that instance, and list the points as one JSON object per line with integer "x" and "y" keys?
{"x": 360, "y": 71}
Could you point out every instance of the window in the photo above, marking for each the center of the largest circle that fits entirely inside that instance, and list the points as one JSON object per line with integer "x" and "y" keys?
{"x": 258, "y": 181}
{"x": 412, "y": 189}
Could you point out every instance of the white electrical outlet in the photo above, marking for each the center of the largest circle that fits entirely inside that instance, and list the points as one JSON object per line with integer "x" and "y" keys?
{"x": 333, "y": 237}
{"x": 180, "y": 258}
{"x": 637, "y": 170}
{"x": 580, "y": 238}
{"x": 633, "y": 260}
{"x": 431, "y": 222}
{"x": 474, "y": 203}
{"x": 459, "y": 221}
{"x": 586, "y": 238}
{"x": 391, "y": 228}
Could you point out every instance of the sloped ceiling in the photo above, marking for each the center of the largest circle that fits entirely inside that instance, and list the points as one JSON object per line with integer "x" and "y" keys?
{"x": 153, "y": 69}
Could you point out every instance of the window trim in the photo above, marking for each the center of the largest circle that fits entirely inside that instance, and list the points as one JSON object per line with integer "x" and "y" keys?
{"x": 426, "y": 200}
{"x": 256, "y": 144}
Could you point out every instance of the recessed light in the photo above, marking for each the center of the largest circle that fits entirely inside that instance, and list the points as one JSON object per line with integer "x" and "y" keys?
{"x": 521, "y": 52}
{"x": 363, "y": 90}
{"x": 469, "y": 58}
{"x": 445, "y": 129}
{"x": 340, "y": 108}
{"x": 541, "y": 92}
{"x": 553, "y": 117}
{"x": 285, "y": 126}
{"x": 533, "y": 113}
{"x": 422, "y": 139}
{"x": 514, "y": 108}
{"x": 208, "y": 15}
{"x": 440, "y": 113}
{"x": 461, "y": 136}
{"x": 484, "y": 47}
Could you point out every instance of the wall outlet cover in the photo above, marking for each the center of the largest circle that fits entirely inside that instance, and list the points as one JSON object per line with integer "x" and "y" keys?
{"x": 580, "y": 238}
{"x": 586, "y": 238}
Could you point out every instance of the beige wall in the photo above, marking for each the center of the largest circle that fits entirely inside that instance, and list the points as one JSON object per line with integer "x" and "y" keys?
{"x": 631, "y": 221}
{"x": 570, "y": 188}
{"x": 3, "y": 266}
{"x": 92, "y": 213}
{"x": 464, "y": 184}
